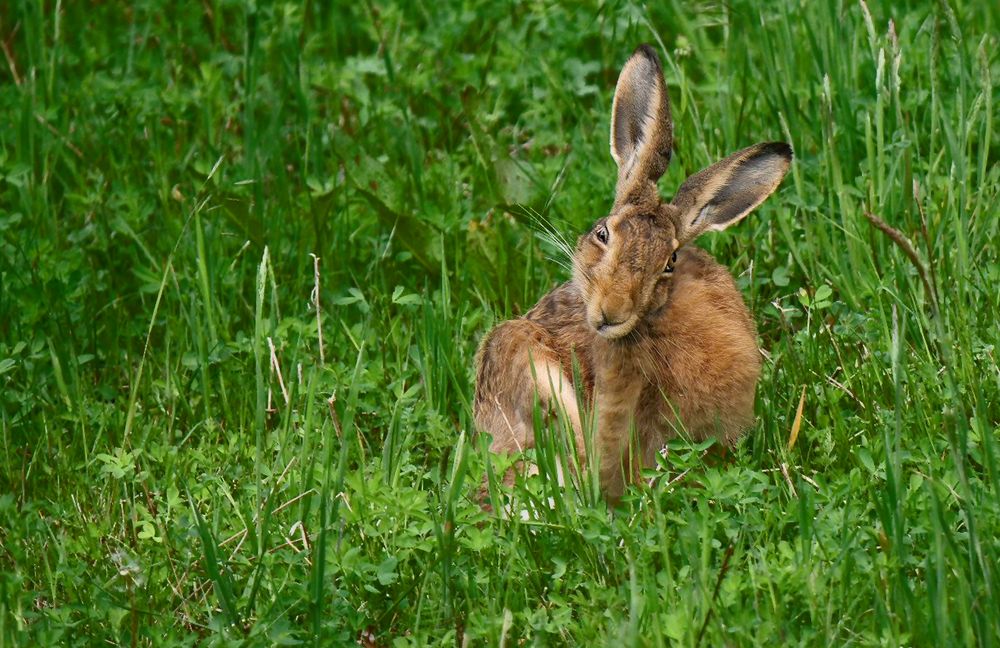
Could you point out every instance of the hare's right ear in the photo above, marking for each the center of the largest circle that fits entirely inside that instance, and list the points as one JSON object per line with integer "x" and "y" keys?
{"x": 641, "y": 127}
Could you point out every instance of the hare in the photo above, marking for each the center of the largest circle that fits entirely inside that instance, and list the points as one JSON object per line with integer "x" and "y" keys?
{"x": 661, "y": 338}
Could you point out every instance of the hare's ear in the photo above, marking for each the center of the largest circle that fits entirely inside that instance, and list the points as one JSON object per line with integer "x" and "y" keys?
{"x": 724, "y": 193}
{"x": 641, "y": 128}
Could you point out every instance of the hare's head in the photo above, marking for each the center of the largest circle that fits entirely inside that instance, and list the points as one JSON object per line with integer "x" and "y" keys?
{"x": 624, "y": 265}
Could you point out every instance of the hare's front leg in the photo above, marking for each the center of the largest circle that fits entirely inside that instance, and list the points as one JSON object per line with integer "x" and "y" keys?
{"x": 515, "y": 363}
{"x": 616, "y": 396}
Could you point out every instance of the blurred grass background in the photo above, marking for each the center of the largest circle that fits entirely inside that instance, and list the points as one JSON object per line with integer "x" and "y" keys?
{"x": 175, "y": 472}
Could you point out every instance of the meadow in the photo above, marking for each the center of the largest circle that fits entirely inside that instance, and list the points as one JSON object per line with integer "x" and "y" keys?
{"x": 248, "y": 250}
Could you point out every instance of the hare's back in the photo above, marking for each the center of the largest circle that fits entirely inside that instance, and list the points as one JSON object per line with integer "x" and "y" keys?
{"x": 562, "y": 313}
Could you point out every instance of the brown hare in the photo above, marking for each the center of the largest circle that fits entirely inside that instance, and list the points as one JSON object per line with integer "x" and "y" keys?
{"x": 661, "y": 338}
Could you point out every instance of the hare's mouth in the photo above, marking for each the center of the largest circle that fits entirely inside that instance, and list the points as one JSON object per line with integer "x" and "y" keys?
{"x": 615, "y": 330}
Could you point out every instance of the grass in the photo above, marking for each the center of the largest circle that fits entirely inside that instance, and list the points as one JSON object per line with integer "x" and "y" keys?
{"x": 205, "y": 440}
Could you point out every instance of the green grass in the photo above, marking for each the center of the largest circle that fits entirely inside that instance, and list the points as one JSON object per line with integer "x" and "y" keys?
{"x": 166, "y": 173}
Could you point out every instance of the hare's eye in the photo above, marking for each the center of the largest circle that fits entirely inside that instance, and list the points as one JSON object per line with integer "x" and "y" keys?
{"x": 670, "y": 264}
{"x": 602, "y": 234}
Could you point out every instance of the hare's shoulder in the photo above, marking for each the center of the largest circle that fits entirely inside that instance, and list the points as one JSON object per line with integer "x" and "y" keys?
{"x": 696, "y": 265}
{"x": 701, "y": 284}
{"x": 706, "y": 323}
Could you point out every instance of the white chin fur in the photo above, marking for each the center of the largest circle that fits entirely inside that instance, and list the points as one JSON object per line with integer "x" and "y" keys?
{"x": 618, "y": 330}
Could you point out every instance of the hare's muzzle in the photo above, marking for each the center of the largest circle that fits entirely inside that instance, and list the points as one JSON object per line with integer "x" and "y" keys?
{"x": 612, "y": 316}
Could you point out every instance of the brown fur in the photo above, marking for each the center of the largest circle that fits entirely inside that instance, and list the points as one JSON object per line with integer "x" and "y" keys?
{"x": 659, "y": 353}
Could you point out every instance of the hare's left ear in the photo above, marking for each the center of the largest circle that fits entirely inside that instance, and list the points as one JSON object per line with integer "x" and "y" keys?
{"x": 724, "y": 193}
{"x": 641, "y": 127}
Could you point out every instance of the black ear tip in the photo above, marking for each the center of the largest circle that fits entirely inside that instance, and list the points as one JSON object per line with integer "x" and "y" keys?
{"x": 649, "y": 53}
{"x": 781, "y": 149}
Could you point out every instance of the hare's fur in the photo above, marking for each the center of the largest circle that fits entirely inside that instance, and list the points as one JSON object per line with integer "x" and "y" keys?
{"x": 659, "y": 335}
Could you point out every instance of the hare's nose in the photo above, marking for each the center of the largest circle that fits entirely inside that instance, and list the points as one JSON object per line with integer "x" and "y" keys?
{"x": 616, "y": 307}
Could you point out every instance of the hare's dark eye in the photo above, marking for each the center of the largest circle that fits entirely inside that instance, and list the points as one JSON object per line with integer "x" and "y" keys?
{"x": 670, "y": 264}
{"x": 602, "y": 234}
